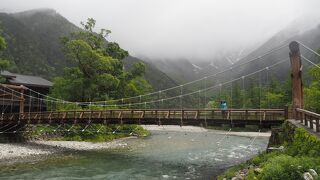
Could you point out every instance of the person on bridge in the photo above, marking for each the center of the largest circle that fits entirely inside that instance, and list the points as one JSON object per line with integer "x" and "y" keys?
{"x": 223, "y": 107}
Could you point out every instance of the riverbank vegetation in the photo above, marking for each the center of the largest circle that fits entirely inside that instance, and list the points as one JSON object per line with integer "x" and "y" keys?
{"x": 89, "y": 133}
{"x": 300, "y": 154}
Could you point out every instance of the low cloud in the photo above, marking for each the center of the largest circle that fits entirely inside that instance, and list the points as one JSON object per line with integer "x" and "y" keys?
{"x": 171, "y": 29}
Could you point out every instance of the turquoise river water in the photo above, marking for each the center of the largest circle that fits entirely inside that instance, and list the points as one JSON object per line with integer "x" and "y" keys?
{"x": 163, "y": 155}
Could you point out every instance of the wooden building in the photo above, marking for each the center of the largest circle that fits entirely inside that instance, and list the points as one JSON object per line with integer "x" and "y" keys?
{"x": 35, "y": 83}
{"x": 20, "y": 83}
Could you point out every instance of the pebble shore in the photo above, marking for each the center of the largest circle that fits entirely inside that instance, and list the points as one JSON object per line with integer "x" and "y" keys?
{"x": 200, "y": 129}
{"x": 14, "y": 150}
{"x": 29, "y": 150}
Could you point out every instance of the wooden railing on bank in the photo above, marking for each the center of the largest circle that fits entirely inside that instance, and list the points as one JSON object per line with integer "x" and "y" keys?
{"x": 152, "y": 116}
{"x": 309, "y": 119}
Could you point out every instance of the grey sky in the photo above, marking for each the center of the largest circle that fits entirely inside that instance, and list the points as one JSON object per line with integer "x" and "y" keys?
{"x": 197, "y": 29}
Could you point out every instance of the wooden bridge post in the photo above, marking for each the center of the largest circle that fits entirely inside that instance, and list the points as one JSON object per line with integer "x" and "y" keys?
{"x": 296, "y": 76}
{"x": 182, "y": 117}
{"x": 286, "y": 112}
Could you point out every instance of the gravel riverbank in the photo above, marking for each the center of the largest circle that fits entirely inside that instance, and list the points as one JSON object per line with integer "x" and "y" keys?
{"x": 30, "y": 150}
{"x": 200, "y": 129}
{"x": 85, "y": 146}
{"x": 14, "y": 150}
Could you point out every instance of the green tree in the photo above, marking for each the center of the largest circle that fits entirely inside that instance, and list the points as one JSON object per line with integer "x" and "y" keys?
{"x": 213, "y": 104}
{"x": 276, "y": 94}
{"x": 273, "y": 100}
{"x": 113, "y": 49}
{"x": 98, "y": 72}
{"x": 237, "y": 100}
{"x": 253, "y": 95}
{"x": 274, "y": 86}
{"x": 3, "y": 62}
{"x": 312, "y": 92}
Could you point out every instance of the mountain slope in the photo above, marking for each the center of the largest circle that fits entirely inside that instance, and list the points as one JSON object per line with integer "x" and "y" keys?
{"x": 181, "y": 70}
{"x": 23, "y": 46}
{"x": 49, "y": 27}
{"x": 185, "y": 70}
{"x": 34, "y": 47}
{"x": 305, "y": 31}
{"x": 154, "y": 76}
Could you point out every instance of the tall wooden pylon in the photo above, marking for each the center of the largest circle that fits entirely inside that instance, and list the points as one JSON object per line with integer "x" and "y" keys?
{"x": 296, "y": 76}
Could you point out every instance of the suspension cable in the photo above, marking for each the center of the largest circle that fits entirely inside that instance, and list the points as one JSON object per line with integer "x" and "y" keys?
{"x": 208, "y": 88}
{"x": 174, "y": 97}
{"x": 175, "y": 87}
{"x": 254, "y": 139}
{"x": 310, "y": 61}
{"x": 305, "y": 46}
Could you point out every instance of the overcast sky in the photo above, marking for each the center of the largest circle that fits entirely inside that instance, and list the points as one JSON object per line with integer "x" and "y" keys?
{"x": 196, "y": 29}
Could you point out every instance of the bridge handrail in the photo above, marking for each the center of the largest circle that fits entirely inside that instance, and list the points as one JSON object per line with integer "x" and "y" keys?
{"x": 229, "y": 111}
{"x": 309, "y": 118}
{"x": 208, "y": 110}
{"x": 310, "y": 113}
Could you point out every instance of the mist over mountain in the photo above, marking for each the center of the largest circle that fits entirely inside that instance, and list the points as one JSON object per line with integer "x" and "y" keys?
{"x": 305, "y": 30}
{"x": 34, "y": 45}
{"x": 183, "y": 70}
{"x": 196, "y": 30}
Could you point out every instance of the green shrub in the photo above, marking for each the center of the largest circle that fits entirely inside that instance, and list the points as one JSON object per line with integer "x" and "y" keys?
{"x": 286, "y": 167}
{"x": 231, "y": 172}
{"x": 304, "y": 144}
{"x": 263, "y": 157}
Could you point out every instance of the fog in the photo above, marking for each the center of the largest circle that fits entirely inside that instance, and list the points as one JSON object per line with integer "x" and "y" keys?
{"x": 194, "y": 29}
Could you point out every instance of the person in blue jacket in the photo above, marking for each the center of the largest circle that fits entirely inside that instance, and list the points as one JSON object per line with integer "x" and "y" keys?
{"x": 223, "y": 107}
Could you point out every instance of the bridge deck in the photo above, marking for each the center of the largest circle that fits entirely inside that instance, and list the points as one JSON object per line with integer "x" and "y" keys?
{"x": 197, "y": 117}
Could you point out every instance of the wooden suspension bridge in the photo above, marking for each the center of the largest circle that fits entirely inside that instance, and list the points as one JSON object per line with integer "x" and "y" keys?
{"x": 197, "y": 117}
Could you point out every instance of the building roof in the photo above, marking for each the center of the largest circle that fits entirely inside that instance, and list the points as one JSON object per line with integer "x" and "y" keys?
{"x": 27, "y": 80}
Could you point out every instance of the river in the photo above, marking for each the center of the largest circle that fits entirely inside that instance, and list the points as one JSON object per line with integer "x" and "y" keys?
{"x": 163, "y": 155}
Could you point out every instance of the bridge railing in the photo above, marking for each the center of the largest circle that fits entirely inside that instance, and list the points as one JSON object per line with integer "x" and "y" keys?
{"x": 309, "y": 119}
{"x": 193, "y": 116}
